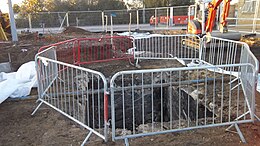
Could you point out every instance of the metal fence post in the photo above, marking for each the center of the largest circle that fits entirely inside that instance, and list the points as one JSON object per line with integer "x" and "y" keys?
{"x": 30, "y": 21}
{"x": 130, "y": 22}
{"x": 155, "y": 15}
{"x": 12, "y": 22}
{"x": 167, "y": 20}
{"x": 77, "y": 21}
{"x": 67, "y": 16}
{"x": 144, "y": 15}
{"x": 171, "y": 16}
{"x": 137, "y": 18}
{"x": 255, "y": 16}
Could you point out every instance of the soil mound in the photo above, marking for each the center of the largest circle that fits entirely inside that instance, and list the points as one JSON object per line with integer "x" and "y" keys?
{"x": 75, "y": 30}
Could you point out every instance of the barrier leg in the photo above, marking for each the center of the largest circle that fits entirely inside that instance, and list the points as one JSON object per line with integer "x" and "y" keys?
{"x": 37, "y": 108}
{"x": 86, "y": 139}
{"x": 238, "y": 131}
{"x": 126, "y": 142}
{"x": 240, "y": 134}
{"x": 257, "y": 118}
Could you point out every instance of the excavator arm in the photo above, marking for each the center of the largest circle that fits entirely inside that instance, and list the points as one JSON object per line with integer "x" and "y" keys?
{"x": 201, "y": 27}
{"x": 212, "y": 8}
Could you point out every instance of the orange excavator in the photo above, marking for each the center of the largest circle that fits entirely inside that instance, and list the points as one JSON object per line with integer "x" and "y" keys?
{"x": 202, "y": 24}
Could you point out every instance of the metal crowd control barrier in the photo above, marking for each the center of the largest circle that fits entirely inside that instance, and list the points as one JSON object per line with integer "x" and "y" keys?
{"x": 215, "y": 86}
{"x": 217, "y": 90}
{"x": 222, "y": 51}
{"x": 79, "y": 93}
{"x": 90, "y": 50}
{"x": 64, "y": 50}
{"x": 167, "y": 47}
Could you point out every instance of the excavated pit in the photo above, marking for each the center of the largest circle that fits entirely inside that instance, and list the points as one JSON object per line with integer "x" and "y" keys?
{"x": 170, "y": 103}
{"x": 161, "y": 100}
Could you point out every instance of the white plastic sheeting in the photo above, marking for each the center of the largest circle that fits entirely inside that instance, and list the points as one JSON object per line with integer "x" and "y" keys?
{"x": 18, "y": 84}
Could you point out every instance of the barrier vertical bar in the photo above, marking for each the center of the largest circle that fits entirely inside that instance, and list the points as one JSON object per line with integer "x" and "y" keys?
{"x": 67, "y": 19}
{"x": 106, "y": 114}
{"x": 79, "y": 52}
{"x": 103, "y": 20}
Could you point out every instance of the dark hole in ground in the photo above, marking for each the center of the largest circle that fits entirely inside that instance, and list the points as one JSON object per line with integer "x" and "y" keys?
{"x": 150, "y": 105}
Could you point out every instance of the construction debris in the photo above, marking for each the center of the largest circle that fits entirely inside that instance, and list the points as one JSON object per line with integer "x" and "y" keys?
{"x": 251, "y": 40}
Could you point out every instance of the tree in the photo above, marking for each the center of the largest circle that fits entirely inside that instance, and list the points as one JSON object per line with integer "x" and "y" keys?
{"x": 31, "y": 6}
{"x": 134, "y": 4}
{"x": 16, "y": 8}
{"x": 166, "y": 3}
{"x": 109, "y": 5}
{"x": 179, "y": 2}
{"x": 57, "y": 5}
{"x": 35, "y": 6}
{"x": 156, "y": 3}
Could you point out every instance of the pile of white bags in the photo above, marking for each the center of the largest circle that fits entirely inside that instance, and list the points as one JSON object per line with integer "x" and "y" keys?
{"x": 18, "y": 84}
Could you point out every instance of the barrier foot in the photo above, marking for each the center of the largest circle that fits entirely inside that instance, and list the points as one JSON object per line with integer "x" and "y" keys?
{"x": 240, "y": 134}
{"x": 126, "y": 142}
{"x": 238, "y": 131}
{"x": 86, "y": 139}
{"x": 36, "y": 108}
{"x": 257, "y": 118}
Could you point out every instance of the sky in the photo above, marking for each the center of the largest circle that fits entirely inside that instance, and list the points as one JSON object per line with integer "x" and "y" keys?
{"x": 4, "y": 6}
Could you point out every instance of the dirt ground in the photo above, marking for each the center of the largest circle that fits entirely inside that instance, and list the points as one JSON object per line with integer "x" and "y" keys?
{"x": 48, "y": 127}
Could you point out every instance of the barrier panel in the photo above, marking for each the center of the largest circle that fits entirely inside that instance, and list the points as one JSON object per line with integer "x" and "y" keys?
{"x": 90, "y": 50}
{"x": 167, "y": 47}
{"x": 78, "y": 93}
{"x": 64, "y": 50}
{"x": 217, "y": 88}
{"x": 218, "y": 51}
{"x": 169, "y": 100}
{"x": 222, "y": 51}
{"x": 103, "y": 49}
